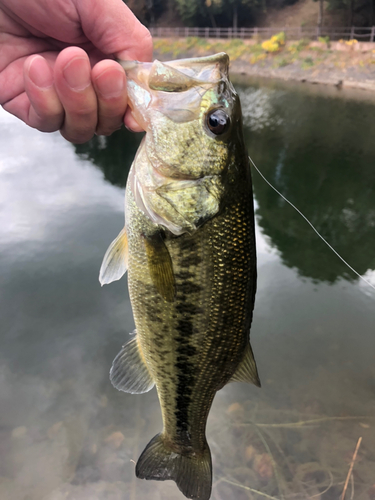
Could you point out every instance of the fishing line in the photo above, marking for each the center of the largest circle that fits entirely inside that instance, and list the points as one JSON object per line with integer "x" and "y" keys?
{"x": 316, "y": 231}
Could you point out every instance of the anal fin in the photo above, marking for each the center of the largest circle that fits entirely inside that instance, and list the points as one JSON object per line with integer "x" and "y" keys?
{"x": 247, "y": 369}
{"x": 129, "y": 372}
{"x": 160, "y": 266}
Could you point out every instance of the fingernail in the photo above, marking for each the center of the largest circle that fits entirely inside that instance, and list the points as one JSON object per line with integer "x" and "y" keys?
{"x": 40, "y": 73}
{"x": 110, "y": 84}
{"x": 77, "y": 73}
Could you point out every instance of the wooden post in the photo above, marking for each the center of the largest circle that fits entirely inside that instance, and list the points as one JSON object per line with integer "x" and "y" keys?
{"x": 352, "y": 33}
{"x": 206, "y": 32}
{"x": 372, "y": 37}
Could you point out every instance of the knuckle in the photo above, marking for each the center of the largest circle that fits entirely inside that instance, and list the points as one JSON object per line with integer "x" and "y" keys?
{"x": 105, "y": 130}
{"x": 76, "y": 136}
{"x": 46, "y": 122}
{"x": 47, "y": 127}
{"x": 147, "y": 39}
{"x": 83, "y": 112}
{"x": 145, "y": 34}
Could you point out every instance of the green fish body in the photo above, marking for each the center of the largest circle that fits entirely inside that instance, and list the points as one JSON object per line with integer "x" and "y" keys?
{"x": 189, "y": 248}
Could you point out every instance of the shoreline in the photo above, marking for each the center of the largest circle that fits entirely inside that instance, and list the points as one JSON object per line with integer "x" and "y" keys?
{"x": 344, "y": 64}
{"x": 325, "y": 77}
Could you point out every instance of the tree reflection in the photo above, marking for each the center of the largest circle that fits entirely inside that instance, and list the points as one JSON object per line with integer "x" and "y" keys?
{"x": 319, "y": 153}
{"x": 113, "y": 155}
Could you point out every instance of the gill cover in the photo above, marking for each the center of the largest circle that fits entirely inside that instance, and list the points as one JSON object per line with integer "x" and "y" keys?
{"x": 176, "y": 178}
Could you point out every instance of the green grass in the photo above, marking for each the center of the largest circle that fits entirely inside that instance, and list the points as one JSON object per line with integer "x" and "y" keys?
{"x": 298, "y": 51}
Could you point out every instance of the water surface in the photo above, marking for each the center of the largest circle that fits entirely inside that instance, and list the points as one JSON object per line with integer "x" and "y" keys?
{"x": 65, "y": 433}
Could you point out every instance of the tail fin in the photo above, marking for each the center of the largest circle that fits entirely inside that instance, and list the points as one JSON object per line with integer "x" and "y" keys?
{"x": 191, "y": 473}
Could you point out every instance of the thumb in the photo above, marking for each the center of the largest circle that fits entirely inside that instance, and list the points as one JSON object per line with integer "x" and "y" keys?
{"x": 112, "y": 27}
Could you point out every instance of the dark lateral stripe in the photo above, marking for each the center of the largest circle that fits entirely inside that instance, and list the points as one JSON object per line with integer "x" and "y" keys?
{"x": 185, "y": 368}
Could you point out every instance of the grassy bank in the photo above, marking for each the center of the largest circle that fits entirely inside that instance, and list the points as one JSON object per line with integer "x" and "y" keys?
{"x": 344, "y": 63}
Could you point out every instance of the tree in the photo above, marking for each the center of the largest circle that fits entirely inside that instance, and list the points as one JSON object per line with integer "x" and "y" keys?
{"x": 233, "y": 10}
{"x": 192, "y": 12}
{"x": 147, "y": 11}
{"x": 217, "y": 12}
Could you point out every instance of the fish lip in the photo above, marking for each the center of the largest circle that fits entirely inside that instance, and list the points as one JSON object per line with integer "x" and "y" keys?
{"x": 220, "y": 58}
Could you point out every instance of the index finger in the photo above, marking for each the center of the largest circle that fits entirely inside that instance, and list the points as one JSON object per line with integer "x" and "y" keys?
{"x": 113, "y": 28}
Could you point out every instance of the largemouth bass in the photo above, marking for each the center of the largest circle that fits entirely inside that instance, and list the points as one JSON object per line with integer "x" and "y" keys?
{"x": 189, "y": 248}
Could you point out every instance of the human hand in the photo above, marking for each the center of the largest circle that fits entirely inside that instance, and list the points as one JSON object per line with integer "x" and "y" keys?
{"x": 56, "y": 64}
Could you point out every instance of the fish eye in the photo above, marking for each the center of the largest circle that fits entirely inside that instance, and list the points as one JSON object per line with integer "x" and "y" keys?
{"x": 218, "y": 121}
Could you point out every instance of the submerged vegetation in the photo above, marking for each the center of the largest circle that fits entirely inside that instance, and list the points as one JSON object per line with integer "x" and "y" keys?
{"x": 289, "y": 454}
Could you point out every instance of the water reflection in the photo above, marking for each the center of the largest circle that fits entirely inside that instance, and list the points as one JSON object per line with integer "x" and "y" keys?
{"x": 113, "y": 154}
{"x": 65, "y": 433}
{"x": 319, "y": 152}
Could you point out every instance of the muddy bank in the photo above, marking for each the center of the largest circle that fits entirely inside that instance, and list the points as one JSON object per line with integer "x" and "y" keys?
{"x": 344, "y": 64}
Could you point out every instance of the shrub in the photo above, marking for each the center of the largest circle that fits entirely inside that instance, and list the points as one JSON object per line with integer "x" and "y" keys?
{"x": 324, "y": 39}
{"x": 274, "y": 43}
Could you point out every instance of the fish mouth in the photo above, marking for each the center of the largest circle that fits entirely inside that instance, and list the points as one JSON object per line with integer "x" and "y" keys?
{"x": 175, "y": 88}
{"x": 178, "y": 75}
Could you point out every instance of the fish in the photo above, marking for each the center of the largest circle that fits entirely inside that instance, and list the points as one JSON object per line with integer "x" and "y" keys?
{"x": 188, "y": 246}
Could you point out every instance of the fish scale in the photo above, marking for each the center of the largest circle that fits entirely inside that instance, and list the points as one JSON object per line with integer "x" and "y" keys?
{"x": 221, "y": 277}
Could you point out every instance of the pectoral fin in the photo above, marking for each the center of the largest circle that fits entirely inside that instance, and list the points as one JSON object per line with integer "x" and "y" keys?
{"x": 129, "y": 372}
{"x": 247, "y": 369}
{"x": 160, "y": 266}
{"x": 115, "y": 262}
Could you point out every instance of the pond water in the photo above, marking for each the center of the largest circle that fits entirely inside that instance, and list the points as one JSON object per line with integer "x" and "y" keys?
{"x": 65, "y": 433}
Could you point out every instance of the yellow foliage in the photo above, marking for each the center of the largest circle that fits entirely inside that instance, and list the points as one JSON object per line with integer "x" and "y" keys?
{"x": 351, "y": 42}
{"x": 274, "y": 43}
{"x": 270, "y": 46}
{"x": 279, "y": 38}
